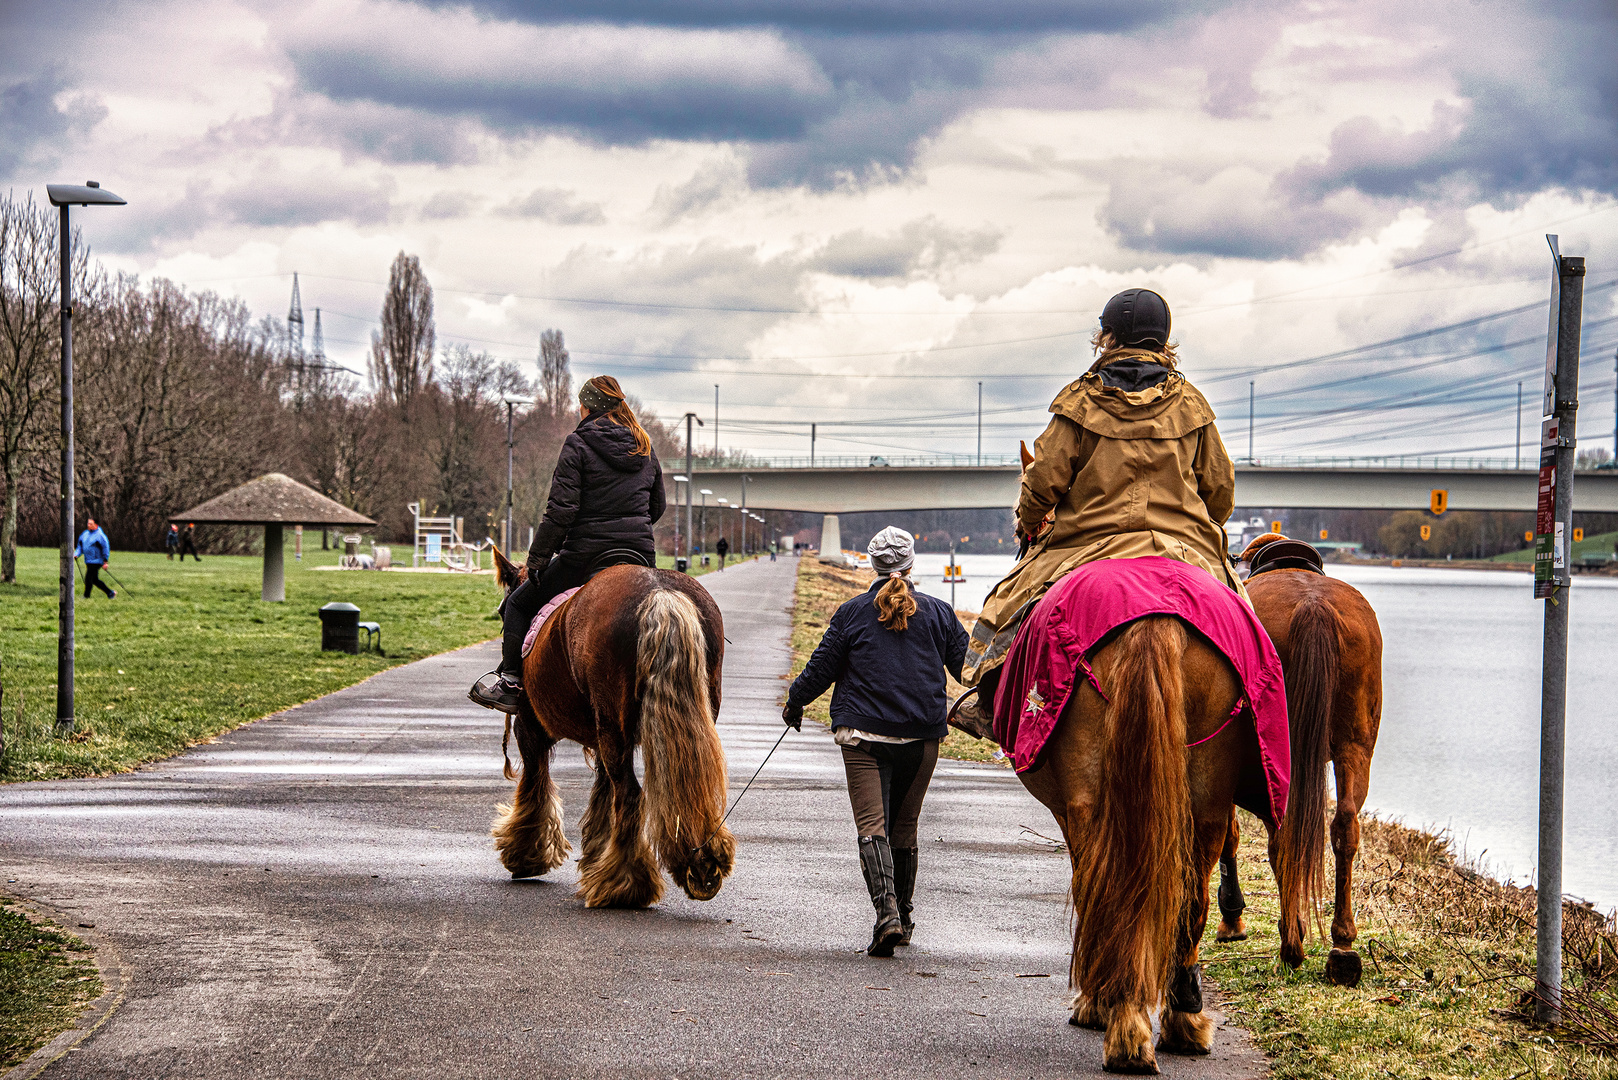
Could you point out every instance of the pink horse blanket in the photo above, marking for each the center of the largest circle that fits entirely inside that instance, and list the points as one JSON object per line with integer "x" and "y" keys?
{"x": 1052, "y": 650}
{"x": 544, "y": 613}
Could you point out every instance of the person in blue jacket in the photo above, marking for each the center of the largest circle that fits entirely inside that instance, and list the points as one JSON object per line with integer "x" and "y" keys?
{"x": 97, "y": 552}
{"x": 887, "y": 650}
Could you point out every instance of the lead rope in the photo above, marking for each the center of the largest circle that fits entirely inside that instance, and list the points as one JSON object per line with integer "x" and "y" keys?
{"x": 745, "y": 786}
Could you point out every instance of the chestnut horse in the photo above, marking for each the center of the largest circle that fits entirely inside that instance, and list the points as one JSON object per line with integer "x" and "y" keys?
{"x": 1331, "y": 649}
{"x": 632, "y": 659}
{"x": 1144, "y": 797}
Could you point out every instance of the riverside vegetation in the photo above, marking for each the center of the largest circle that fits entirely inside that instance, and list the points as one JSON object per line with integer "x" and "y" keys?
{"x": 1448, "y": 950}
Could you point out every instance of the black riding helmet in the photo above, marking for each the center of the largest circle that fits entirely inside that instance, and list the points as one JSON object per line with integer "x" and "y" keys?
{"x": 1138, "y": 318}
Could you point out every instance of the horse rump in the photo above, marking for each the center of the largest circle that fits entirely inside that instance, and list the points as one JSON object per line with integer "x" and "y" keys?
{"x": 685, "y": 776}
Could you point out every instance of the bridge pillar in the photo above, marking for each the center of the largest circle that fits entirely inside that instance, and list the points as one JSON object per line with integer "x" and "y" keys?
{"x": 831, "y": 540}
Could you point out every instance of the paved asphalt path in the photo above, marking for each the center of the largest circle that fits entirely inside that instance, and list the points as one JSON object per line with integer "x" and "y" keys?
{"x": 315, "y": 895}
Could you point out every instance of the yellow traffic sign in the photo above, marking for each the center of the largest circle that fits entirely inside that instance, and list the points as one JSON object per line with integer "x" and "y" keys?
{"x": 1275, "y": 526}
{"x": 1426, "y": 532}
{"x": 1440, "y": 500}
{"x": 1528, "y": 537}
{"x": 1578, "y": 535}
{"x": 1323, "y": 534}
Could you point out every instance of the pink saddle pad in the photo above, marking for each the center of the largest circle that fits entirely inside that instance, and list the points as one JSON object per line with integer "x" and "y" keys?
{"x": 1053, "y": 645}
{"x": 539, "y": 620}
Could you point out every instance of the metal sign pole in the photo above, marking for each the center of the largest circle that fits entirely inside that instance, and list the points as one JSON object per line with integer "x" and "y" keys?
{"x": 1552, "y": 578}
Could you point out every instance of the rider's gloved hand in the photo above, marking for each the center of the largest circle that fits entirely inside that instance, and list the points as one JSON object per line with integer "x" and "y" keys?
{"x": 792, "y": 717}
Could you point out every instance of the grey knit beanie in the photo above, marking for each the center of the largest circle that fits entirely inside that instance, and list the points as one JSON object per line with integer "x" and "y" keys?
{"x": 892, "y": 551}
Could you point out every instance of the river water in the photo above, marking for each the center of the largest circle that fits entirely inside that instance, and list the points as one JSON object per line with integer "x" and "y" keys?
{"x": 1459, "y": 745}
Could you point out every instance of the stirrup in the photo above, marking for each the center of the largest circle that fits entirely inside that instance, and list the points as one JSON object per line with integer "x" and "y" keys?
{"x": 486, "y": 692}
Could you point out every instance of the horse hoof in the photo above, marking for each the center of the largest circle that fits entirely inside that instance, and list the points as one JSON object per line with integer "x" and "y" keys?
{"x": 1343, "y": 968}
{"x": 1227, "y": 932}
{"x": 1186, "y": 1033}
{"x": 1087, "y": 1014}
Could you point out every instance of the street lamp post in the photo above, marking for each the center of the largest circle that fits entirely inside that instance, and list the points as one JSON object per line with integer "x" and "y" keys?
{"x": 65, "y": 196}
{"x": 745, "y": 515}
{"x": 703, "y": 526}
{"x": 505, "y": 538}
{"x": 690, "y": 416}
{"x": 678, "y": 480}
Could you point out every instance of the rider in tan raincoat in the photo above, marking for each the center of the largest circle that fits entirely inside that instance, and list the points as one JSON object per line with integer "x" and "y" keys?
{"x": 1131, "y": 464}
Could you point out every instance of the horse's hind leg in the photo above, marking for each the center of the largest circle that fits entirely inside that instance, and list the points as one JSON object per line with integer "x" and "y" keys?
{"x": 1343, "y": 964}
{"x": 1232, "y": 927}
{"x": 528, "y": 833}
{"x": 624, "y": 874}
{"x": 1185, "y": 1028}
{"x": 595, "y": 827}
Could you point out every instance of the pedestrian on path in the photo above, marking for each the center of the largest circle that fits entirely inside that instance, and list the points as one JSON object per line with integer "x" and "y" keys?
{"x": 887, "y": 650}
{"x": 723, "y": 548}
{"x": 188, "y": 542}
{"x": 171, "y": 540}
{"x": 97, "y": 551}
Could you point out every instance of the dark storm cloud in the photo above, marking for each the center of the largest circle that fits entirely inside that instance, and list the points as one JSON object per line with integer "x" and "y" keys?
{"x": 844, "y": 16}
{"x": 1548, "y": 117}
{"x": 32, "y": 124}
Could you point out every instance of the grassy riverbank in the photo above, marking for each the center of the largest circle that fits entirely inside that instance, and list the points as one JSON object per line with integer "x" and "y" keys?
{"x": 47, "y": 978}
{"x": 821, "y": 589}
{"x": 1448, "y": 955}
{"x": 188, "y": 651}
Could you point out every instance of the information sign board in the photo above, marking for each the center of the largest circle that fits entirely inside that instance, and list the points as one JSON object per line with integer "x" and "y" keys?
{"x": 1549, "y": 554}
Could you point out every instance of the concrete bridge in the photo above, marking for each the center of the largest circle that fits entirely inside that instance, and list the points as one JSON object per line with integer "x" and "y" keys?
{"x": 847, "y": 488}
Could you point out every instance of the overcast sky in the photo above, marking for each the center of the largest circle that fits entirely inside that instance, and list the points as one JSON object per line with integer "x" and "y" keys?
{"x": 857, "y": 210}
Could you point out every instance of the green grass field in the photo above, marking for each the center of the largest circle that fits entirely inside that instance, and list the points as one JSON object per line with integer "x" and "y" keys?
{"x": 47, "y": 977}
{"x": 187, "y": 651}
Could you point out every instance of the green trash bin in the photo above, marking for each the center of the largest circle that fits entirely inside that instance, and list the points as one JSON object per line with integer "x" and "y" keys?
{"x": 339, "y": 627}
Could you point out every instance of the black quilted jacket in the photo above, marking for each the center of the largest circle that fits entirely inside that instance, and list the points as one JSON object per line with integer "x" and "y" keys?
{"x": 603, "y": 495}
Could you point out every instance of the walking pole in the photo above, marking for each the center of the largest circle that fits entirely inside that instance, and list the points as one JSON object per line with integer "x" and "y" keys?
{"x": 114, "y": 577}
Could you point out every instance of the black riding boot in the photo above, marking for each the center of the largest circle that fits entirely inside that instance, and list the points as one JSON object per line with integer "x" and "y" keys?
{"x": 904, "y": 887}
{"x": 505, "y": 693}
{"x": 876, "y": 860}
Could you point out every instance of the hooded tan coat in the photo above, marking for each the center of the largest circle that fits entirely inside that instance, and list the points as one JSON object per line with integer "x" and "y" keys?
{"x": 1128, "y": 474}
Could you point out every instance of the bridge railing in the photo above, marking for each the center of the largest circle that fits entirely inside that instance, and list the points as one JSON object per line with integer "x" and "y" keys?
{"x": 862, "y": 461}
{"x": 1424, "y": 462}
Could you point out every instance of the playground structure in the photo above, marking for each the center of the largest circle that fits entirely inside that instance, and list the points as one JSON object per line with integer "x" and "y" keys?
{"x": 440, "y": 543}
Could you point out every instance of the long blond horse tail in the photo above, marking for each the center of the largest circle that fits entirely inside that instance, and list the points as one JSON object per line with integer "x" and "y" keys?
{"x": 684, "y": 763}
{"x": 1130, "y": 885}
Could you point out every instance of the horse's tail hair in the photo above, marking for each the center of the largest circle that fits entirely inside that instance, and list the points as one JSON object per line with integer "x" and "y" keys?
{"x": 1311, "y": 690}
{"x": 684, "y": 763}
{"x": 1129, "y": 885}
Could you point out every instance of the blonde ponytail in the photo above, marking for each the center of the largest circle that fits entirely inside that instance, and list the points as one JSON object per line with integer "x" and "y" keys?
{"x": 895, "y": 603}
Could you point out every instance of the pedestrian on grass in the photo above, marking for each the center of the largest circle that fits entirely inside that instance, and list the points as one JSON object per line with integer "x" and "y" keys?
{"x": 97, "y": 551}
{"x": 887, "y": 650}
{"x": 171, "y": 540}
{"x": 723, "y": 548}
{"x": 188, "y": 542}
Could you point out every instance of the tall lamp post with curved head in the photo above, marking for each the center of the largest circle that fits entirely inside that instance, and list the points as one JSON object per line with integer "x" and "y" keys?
{"x": 64, "y": 196}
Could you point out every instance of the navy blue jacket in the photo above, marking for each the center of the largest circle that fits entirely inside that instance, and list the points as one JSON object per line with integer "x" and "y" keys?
{"x": 889, "y": 682}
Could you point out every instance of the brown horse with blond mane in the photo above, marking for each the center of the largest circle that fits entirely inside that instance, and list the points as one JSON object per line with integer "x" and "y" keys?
{"x": 1144, "y": 795}
{"x": 632, "y": 659}
{"x": 1331, "y": 647}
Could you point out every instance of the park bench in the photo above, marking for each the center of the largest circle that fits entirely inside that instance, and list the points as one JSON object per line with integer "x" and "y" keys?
{"x": 373, "y": 634}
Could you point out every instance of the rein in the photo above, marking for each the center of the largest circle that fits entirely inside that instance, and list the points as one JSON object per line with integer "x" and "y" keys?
{"x": 749, "y": 784}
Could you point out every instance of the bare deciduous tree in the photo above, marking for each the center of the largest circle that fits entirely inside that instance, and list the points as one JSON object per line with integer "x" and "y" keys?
{"x": 402, "y": 351}
{"x": 30, "y": 343}
{"x": 555, "y": 378}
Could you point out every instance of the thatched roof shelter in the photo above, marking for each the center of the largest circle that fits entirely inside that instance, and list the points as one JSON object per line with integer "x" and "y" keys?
{"x": 274, "y": 500}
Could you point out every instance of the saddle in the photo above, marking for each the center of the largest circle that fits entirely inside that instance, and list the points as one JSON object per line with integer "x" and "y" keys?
{"x": 612, "y": 557}
{"x": 1272, "y": 551}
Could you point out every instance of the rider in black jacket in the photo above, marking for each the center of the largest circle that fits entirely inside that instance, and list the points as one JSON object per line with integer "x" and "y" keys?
{"x": 606, "y": 493}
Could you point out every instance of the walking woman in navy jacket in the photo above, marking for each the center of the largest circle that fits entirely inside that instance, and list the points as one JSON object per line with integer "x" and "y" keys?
{"x": 887, "y": 651}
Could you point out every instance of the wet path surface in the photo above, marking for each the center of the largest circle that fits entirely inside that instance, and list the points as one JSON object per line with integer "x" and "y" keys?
{"x": 316, "y": 895}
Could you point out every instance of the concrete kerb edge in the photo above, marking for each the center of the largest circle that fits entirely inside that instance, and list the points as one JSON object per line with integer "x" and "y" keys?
{"x": 114, "y": 980}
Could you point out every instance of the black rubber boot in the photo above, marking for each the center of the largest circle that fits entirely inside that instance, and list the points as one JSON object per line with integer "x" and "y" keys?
{"x": 904, "y": 888}
{"x": 876, "y": 861}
